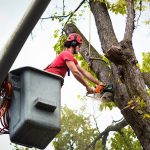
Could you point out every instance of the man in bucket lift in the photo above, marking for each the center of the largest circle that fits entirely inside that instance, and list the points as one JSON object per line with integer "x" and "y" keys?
{"x": 65, "y": 61}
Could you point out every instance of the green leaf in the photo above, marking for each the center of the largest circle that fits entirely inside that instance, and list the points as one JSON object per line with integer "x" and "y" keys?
{"x": 146, "y": 62}
{"x": 105, "y": 105}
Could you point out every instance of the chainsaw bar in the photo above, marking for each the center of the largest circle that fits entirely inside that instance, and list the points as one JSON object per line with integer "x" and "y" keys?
{"x": 106, "y": 97}
{"x": 104, "y": 93}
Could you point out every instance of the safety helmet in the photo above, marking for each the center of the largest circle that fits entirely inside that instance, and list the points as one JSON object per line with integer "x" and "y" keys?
{"x": 75, "y": 37}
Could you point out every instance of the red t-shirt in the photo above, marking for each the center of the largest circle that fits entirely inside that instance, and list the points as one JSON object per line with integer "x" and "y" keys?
{"x": 58, "y": 66}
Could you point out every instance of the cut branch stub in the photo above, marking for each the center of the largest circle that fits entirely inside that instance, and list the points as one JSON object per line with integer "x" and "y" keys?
{"x": 115, "y": 54}
{"x": 121, "y": 53}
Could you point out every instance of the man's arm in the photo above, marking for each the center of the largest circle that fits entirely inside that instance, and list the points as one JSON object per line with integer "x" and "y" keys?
{"x": 78, "y": 75}
{"x": 88, "y": 75}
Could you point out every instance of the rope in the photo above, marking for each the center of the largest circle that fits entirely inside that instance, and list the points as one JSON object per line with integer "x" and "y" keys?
{"x": 89, "y": 32}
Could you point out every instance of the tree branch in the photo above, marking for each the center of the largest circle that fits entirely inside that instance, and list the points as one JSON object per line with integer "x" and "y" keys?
{"x": 96, "y": 123}
{"x": 63, "y": 7}
{"x": 140, "y": 3}
{"x": 55, "y": 17}
{"x": 65, "y": 16}
{"x": 99, "y": 66}
{"x": 104, "y": 140}
{"x": 104, "y": 25}
{"x": 130, "y": 20}
{"x": 75, "y": 11}
{"x": 117, "y": 127}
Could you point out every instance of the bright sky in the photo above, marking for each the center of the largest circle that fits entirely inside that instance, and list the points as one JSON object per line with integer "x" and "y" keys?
{"x": 38, "y": 51}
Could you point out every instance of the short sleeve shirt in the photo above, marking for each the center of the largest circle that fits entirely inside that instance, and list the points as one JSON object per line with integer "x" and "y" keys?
{"x": 58, "y": 66}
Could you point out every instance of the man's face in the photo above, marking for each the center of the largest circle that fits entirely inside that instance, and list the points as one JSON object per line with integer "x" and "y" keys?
{"x": 77, "y": 49}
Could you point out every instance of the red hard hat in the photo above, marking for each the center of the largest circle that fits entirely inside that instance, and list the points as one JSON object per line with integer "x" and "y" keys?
{"x": 75, "y": 37}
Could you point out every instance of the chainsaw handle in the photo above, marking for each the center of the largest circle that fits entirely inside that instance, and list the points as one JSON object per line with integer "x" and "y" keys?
{"x": 98, "y": 88}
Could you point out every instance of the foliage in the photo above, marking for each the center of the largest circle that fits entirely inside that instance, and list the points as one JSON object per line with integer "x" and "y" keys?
{"x": 76, "y": 131}
{"x": 146, "y": 62}
{"x": 139, "y": 105}
{"x": 119, "y": 7}
{"x": 147, "y": 22}
{"x": 16, "y": 147}
{"x": 125, "y": 140}
{"x": 105, "y": 105}
{"x": 59, "y": 46}
{"x": 145, "y": 68}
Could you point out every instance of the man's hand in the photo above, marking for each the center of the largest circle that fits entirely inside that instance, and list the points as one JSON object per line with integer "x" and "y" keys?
{"x": 89, "y": 90}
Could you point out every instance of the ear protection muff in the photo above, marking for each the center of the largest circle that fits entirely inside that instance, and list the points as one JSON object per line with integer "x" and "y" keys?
{"x": 74, "y": 43}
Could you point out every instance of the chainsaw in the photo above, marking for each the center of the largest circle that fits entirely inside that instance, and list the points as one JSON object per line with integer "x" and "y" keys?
{"x": 104, "y": 92}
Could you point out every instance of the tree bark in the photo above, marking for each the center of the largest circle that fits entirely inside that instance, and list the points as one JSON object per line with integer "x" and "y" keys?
{"x": 127, "y": 78}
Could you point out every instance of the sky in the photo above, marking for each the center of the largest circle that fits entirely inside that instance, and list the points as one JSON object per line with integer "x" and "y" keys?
{"x": 38, "y": 52}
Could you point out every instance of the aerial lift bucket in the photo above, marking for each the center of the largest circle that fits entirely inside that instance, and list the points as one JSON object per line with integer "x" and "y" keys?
{"x": 35, "y": 107}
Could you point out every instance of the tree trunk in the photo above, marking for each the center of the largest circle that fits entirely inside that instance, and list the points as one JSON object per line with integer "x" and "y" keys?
{"x": 123, "y": 72}
{"x": 127, "y": 79}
